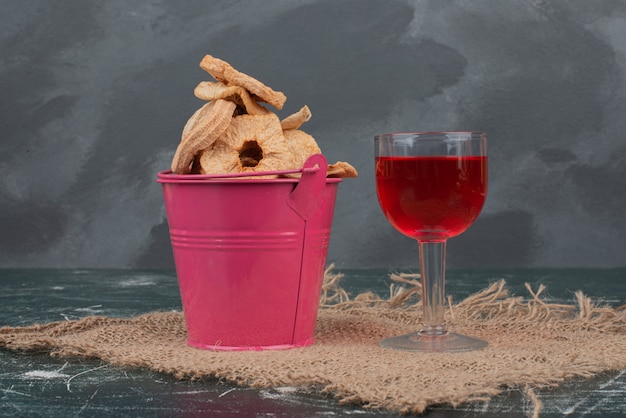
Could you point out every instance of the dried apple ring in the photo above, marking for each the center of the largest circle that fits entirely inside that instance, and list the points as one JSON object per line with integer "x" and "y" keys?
{"x": 208, "y": 90}
{"x": 249, "y": 144}
{"x": 224, "y": 72}
{"x": 200, "y": 131}
{"x": 297, "y": 119}
{"x": 341, "y": 169}
{"x": 300, "y": 145}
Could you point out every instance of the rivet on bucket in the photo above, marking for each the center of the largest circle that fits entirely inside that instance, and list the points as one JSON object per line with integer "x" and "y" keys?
{"x": 250, "y": 255}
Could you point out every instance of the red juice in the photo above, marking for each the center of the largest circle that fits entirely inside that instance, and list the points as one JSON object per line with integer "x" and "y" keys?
{"x": 431, "y": 198}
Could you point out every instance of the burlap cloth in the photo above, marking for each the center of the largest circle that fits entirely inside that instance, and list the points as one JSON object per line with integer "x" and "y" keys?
{"x": 532, "y": 344}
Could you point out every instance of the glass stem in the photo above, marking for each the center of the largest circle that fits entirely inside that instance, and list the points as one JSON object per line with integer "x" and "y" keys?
{"x": 433, "y": 273}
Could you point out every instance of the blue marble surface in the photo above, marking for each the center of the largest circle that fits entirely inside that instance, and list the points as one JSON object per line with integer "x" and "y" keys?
{"x": 34, "y": 384}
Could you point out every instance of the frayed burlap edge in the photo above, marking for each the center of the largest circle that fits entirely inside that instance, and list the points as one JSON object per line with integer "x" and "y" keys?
{"x": 532, "y": 345}
{"x": 504, "y": 320}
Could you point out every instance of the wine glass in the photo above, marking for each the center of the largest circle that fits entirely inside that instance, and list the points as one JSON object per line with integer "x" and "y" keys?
{"x": 431, "y": 186}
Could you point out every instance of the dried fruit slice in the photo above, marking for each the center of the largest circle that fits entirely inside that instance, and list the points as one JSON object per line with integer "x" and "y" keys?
{"x": 224, "y": 72}
{"x": 249, "y": 144}
{"x": 341, "y": 169}
{"x": 301, "y": 146}
{"x": 201, "y": 130}
{"x": 297, "y": 119}
{"x": 208, "y": 90}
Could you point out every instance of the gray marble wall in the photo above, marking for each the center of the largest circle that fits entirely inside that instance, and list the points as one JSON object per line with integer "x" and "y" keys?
{"x": 94, "y": 94}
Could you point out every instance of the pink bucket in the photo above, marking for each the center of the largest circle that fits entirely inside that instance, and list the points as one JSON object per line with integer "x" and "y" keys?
{"x": 250, "y": 255}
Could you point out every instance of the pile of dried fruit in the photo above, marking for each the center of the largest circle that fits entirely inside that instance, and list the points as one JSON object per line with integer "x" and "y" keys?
{"x": 234, "y": 133}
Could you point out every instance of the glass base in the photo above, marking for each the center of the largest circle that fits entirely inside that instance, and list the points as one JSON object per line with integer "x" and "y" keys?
{"x": 442, "y": 343}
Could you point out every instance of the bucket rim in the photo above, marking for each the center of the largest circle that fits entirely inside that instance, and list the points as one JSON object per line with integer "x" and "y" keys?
{"x": 166, "y": 176}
